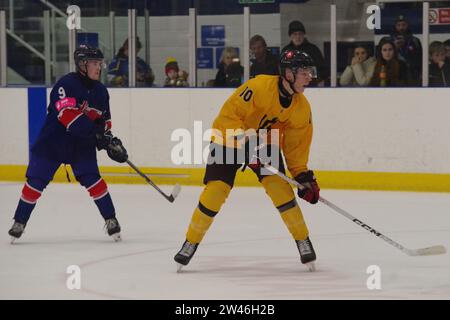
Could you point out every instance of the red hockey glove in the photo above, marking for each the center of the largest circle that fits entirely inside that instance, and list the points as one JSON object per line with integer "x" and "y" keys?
{"x": 311, "y": 191}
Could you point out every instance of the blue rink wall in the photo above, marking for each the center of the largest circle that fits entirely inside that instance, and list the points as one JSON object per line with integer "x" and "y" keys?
{"x": 364, "y": 138}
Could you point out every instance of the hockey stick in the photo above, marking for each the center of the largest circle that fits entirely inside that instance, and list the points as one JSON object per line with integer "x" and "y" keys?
{"x": 176, "y": 190}
{"x": 428, "y": 251}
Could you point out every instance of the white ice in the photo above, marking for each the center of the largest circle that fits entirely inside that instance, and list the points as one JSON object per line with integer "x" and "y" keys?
{"x": 247, "y": 254}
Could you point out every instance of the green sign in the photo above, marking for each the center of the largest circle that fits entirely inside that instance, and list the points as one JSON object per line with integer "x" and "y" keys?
{"x": 255, "y": 1}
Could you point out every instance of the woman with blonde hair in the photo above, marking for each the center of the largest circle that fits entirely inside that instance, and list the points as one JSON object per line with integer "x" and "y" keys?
{"x": 230, "y": 70}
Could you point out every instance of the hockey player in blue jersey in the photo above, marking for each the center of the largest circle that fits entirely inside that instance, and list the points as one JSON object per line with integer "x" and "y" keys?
{"x": 78, "y": 121}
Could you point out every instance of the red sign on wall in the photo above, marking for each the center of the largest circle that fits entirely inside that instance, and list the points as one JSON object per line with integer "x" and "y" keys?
{"x": 439, "y": 16}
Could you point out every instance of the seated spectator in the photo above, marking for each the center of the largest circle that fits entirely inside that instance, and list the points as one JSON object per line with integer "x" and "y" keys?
{"x": 174, "y": 76}
{"x": 298, "y": 41}
{"x": 360, "y": 71}
{"x": 389, "y": 71}
{"x": 439, "y": 68}
{"x": 118, "y": 68}
{"x": 408, "y": 47}
{"x": 447, "y": 50}
{"x": 263, "y": 61}
{"x": 230, "y": 71}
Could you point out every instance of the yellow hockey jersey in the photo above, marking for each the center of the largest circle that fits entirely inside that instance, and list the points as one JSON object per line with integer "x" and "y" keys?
{"x": 255, "y": 105}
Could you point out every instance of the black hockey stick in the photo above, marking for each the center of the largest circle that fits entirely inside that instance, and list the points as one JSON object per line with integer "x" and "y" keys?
{"x": 428, "y": 251}
{"x": 176, "y": 190}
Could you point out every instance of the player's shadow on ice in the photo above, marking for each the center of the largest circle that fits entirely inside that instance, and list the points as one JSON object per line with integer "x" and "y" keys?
{"x": 58, "y": 242}
{"x": 248, "y": 267}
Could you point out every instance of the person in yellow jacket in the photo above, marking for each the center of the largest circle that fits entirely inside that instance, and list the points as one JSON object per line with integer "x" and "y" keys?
{"x": 265, "y": 117}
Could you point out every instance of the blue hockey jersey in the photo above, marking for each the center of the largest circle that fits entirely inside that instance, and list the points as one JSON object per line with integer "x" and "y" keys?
{"x": 76, "y": 106}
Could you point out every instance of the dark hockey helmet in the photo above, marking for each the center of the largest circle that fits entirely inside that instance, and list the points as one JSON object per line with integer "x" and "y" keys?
{"x": 85, "y": 53}
{"x": 296, "y": 59}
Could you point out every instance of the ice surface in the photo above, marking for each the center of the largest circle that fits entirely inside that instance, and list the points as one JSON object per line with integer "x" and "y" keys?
{"x": 247, "y": 253}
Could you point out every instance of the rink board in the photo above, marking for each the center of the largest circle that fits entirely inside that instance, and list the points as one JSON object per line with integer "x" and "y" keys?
{"x": 194, "y": 176}
{"x": 364, "y": 138}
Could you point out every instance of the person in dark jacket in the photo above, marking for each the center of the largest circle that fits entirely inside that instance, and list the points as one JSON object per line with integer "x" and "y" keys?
{"x": 409, "y": 48}
{"x": 262, "y": 61}
{"x": 439, "y": 69}
{"x": 447, "y": 50}
{"x": 390, "y": 71}
{"x": 230, "y": 71}
{"x": 300, "y": 42}
{"x": 118, "y": 68}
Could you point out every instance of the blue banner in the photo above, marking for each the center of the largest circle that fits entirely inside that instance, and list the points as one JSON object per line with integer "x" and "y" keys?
{"x": 205, "y": 58}
{"x": 213, "y": 36}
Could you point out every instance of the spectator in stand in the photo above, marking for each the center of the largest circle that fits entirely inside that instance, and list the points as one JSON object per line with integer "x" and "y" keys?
{"x": 360, "y": 70}
{"x": 174, "y": 76}
{"x": 409, "y": 48}
{"x": 230, "y": 71}
{"x": 262, "y": 61}
{"x": 118, "y": 68}
{"x": 300, "y": 42}
{"x": 389, "y": 71}
{"x": 439, "y": 68}
{"x": 447, "y": 50}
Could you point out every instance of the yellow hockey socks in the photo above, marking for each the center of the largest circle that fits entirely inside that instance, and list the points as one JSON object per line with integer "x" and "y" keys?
{"x": 211, "y": 200}
{"x": 283, "y": 198}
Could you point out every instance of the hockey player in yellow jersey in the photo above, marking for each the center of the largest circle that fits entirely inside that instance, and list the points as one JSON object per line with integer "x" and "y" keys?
{"x": 264, "y": 118}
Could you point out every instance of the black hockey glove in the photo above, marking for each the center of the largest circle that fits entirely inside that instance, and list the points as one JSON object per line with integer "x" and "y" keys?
{"x": 116, "y": 151}
{"x": 311, "y": 190}
{"x": 100, "y": 131}
{"x": 113, "y": 146}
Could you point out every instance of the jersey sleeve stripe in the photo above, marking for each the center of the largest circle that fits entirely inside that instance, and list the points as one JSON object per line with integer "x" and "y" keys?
{"x": 108, "y": 125}
{"x": 68, "y": 115}
{"x": 70, "y": 123}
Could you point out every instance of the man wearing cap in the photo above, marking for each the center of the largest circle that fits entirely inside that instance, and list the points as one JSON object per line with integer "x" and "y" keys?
{"x": 299, "y": 42}
{"x": 408, "y": 47}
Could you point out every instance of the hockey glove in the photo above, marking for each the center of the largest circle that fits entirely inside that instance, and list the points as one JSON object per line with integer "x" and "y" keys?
{"x": 251, "y": 159}
{"x": 311, "y": 191}
{"x": 252, "y": 153}
{"x": 116, "y": 151}
{"x": 104, "y": 138}
{"x": 113, "y": 146}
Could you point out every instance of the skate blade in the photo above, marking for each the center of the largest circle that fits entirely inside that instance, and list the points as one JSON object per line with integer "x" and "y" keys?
{"x": 117, "y": 237}
{"x": 13, "y": 239}
{"x": 179, "y": 267}
{"x": 311, "y": 266}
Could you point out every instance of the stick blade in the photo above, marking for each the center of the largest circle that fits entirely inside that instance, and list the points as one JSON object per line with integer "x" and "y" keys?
{"x": 429, "y": 251}
{"x": 176, "y": 190}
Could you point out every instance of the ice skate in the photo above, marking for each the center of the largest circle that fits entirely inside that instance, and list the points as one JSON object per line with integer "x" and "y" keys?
{"x": 113, "y": 229}
{"x": 307, "y": 254}
{"x": 185, "y": 254}
{"x": 16, "y": 231}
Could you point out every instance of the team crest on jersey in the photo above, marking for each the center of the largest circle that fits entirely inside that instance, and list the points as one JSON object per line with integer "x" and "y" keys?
{"x": 267, "y": 123}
